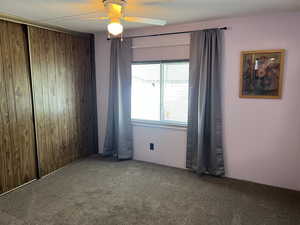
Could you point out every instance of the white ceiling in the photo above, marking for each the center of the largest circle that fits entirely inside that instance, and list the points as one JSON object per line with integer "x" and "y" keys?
{"x": 173, "y": 11}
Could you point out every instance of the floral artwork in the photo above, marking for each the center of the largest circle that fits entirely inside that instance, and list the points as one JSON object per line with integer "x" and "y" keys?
{"x": 261, "y": 74}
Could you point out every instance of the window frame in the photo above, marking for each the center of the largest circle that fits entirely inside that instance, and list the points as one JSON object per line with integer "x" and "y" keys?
{"x": 162, "y": 122}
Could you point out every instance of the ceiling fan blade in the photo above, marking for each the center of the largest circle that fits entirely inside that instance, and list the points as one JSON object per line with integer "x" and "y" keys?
{"x": 96, "y": 18}
{"x": 157, "y": 3}
{"x": 192, "y": 4}
{"x": 145, "y": 20}
{"x": 71, "y": 16}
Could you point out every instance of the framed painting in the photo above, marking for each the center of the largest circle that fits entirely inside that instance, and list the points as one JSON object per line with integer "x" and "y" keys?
{"x": 261, "y": 73}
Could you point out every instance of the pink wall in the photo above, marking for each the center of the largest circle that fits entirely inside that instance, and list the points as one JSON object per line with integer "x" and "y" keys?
{"x": 261, "y": 137}
{"x": 262, "y": 141}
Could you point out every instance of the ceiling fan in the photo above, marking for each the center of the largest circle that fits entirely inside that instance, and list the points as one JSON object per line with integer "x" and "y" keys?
{"x": 115, "y": 14}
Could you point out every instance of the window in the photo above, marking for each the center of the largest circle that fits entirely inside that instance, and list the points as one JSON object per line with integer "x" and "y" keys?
{"x": 160, "y": 92}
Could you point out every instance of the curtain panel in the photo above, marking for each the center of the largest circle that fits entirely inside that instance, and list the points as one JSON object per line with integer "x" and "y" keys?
{"x": 204, "y": 133}
{"x": 118, "y": 141}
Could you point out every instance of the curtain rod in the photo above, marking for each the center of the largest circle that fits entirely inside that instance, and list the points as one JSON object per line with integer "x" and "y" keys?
{"x": 162, "y": 34}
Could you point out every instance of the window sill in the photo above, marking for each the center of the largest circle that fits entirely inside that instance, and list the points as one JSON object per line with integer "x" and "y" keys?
{"x": 159, "y": 124}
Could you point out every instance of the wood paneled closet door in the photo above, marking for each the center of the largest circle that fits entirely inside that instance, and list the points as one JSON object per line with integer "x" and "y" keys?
{"x": 63, "y": 97}
{"x": 17, "y": 146}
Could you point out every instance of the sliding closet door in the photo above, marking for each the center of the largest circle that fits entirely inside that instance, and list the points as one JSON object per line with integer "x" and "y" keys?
{"x": 17, "y": 148}
{"x": 63, "y": 100}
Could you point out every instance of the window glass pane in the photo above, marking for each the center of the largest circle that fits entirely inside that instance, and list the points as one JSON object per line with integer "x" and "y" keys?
{"x": 145, "y": 94}
{"x": 175, "y": 91}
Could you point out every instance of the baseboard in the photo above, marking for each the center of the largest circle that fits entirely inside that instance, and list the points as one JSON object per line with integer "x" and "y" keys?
{"x": 19, "y": 187}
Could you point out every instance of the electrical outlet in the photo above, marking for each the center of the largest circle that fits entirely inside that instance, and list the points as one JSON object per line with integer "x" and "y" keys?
{"x": 151, "y": 147}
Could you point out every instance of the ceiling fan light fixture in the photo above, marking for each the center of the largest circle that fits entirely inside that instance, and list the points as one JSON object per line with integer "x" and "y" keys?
{"x": 115, "y": 28}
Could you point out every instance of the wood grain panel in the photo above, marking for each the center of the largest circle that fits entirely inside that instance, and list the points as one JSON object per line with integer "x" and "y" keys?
{"x": 17, "y": 145}
{"x": 64, "y": 99}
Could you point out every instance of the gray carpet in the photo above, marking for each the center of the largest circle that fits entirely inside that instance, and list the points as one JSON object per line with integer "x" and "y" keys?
{"x": 96, "y": 192}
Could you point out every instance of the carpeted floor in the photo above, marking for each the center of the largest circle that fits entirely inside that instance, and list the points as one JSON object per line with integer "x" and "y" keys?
{"x": 96, "y": 192}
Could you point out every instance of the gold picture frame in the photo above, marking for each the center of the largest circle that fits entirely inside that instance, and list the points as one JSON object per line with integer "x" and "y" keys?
{"x": 261, "y": 74}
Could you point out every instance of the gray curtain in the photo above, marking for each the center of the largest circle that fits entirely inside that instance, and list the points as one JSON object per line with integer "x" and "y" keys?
{"x": 118, "y": 140}
{"x": 204, "y": 134}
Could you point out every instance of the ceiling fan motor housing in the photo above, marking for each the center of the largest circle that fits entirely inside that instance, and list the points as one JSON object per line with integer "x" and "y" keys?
{"x": 115, "y": 14}
{"x": 115, "y": 8}
{"x": 119, "y": 2}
